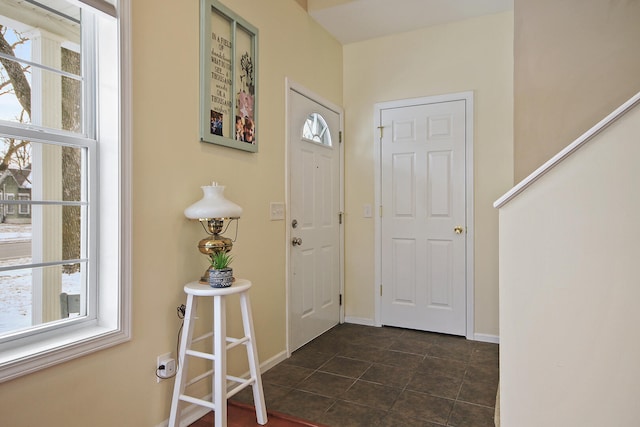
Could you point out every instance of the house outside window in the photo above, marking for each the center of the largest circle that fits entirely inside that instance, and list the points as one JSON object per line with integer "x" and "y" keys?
{"x": 64, "y": 162}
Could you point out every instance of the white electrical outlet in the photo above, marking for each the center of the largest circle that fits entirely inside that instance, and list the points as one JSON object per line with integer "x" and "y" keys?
{"x": 165, "y": 367}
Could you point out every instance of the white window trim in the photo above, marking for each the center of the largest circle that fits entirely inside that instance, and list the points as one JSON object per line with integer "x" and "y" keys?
{"x": 109, "y": 330}
{"x": 10, "y": 208}
{"x": 24, "y": 209}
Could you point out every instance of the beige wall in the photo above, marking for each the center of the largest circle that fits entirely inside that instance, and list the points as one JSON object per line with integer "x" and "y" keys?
{"x": 475, "y": 55}
{"x": 569, "y": 290}
{"x": 575, "y": 62}
{"x": 117, "y": 387}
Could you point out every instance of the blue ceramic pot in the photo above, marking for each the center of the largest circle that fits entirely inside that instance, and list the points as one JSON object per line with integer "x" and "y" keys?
{"x": 222, "y": 278}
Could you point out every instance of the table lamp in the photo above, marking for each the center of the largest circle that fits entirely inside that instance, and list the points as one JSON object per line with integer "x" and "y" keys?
{"x": 213, "y": 210}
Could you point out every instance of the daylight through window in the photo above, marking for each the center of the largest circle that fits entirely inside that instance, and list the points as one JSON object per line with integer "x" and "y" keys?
{"x": 57, "y": 71}
{"x": 316, "y": 129}
{"x": 45, "y": 238}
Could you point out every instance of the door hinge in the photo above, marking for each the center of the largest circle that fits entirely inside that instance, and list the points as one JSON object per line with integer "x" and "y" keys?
{"x": 340, "y": 137}
{"x": 381, "y": 131}
{"x": 340, "y": 299}
{"x": 380, "y": 211}
{"x": 380, "y": 290}
{"x": 340, "y": 214}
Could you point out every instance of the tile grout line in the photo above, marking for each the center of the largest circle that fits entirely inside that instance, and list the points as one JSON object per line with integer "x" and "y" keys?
{"x": 335, "y": 354}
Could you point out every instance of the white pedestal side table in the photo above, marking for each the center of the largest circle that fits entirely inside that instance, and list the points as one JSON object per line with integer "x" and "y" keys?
{"x": 221, "y": 344}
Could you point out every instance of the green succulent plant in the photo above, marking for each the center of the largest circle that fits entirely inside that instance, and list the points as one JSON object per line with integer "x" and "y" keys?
{"x": 220, "y": 260}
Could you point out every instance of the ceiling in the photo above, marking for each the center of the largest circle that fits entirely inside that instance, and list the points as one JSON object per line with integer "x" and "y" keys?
{"x": 355, "y": 20}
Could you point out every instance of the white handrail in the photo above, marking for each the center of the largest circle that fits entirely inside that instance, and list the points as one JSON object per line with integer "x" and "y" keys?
{"x": 567, "y": 151}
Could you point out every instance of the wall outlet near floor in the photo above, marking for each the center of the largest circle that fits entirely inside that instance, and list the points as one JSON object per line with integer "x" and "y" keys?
{"x": 165, "y": 367}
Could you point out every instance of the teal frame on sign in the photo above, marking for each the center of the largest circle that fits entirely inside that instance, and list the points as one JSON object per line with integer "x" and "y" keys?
{"x": 228, "y": 78}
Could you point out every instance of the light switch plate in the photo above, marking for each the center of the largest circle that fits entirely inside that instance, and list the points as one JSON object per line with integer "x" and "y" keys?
{"x": 276, "y": 211}
{"x": 367, "y": 211}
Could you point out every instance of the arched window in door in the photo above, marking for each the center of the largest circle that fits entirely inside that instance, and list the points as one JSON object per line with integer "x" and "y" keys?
{"x": 316, "y": 130}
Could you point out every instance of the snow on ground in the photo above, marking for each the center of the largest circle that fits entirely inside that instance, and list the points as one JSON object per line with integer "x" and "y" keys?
{"x": 9, "y": 232}
{"x": 16, "y": 285}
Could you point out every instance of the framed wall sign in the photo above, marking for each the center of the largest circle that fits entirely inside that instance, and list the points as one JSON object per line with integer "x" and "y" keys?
{"x": 228, "y": 78}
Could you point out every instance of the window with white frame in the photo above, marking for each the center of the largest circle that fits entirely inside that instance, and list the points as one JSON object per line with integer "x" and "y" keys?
{"x": 61, "y": 118}
{"x": 24, "y": 208}
{"x": 315, "y": 129}
{"x": 9, "y": 207}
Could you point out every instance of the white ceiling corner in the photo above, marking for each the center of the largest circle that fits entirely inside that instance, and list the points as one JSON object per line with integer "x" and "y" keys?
{"x": 351, "y": 21}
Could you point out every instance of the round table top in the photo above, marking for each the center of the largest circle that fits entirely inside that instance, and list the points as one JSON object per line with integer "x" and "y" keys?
{"x": 205, "y": 290}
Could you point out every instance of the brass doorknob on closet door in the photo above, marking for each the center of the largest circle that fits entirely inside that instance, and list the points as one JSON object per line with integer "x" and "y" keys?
{"x": 458, "y": 229}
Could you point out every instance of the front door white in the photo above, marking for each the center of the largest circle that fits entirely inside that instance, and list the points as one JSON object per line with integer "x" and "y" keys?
{"x": 423, "y": 223}
{"x": 314, "y": 182}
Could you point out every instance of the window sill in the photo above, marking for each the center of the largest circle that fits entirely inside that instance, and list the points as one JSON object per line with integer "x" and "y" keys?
{"x": 33, "y": 357}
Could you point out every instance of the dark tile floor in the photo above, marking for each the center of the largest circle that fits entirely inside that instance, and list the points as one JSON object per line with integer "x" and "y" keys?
{"x": 366, "y": 376}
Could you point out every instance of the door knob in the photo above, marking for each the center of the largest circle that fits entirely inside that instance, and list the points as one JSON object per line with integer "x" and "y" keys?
{"x": 458, "y": 229}
{"x": 296, "y": 241}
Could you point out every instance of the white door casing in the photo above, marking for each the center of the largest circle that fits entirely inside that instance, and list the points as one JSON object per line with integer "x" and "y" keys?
{"x": 424, "y": 185}
{"x": 315, "y": 200}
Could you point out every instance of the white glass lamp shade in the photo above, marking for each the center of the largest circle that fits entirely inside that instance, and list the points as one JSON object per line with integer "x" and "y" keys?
{"x": 213, "y": 205}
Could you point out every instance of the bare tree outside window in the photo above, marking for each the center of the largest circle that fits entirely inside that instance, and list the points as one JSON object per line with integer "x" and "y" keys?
{"x": 71, "y": 158}
{"x": 14, "y": 82}
{"x": 16, "y": 154}
{"x": 60, "y": 100}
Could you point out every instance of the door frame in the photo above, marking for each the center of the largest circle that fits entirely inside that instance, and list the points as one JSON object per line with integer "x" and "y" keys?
{"x": 469, "y": 251}
{"x": 290, "y": 85}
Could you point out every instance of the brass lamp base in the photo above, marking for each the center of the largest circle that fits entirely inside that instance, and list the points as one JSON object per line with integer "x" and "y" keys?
{"x": 214, "y": 243}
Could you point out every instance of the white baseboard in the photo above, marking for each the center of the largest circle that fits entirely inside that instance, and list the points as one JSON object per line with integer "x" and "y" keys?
{"x": 270, "y": 363}
{"x": 190, "y": 414}
{"x": 495, "y": 339}
{"x": 193, "y": 413}
{"x": 360, "y": 321}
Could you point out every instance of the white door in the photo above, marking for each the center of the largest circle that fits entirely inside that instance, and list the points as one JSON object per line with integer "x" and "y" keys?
{"x": 314, "y": 180}
{"x": 423, "y": 224}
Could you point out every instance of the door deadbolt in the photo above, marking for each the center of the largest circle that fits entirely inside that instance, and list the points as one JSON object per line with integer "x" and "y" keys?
{"x": 294, "y": 223}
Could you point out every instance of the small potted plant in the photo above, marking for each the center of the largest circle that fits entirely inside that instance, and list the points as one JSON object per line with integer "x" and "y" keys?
{"x": 220, "y": 274}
